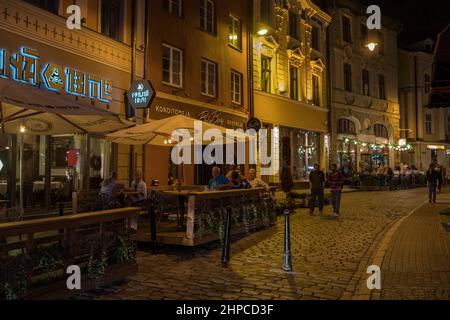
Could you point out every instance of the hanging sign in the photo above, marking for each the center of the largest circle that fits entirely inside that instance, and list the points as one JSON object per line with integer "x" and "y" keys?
{"x": 141, "y": 94}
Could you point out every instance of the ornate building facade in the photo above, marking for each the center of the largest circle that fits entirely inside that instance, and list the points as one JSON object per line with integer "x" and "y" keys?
{"x": 290, "y": 79}
{"x": 365, "y": 112}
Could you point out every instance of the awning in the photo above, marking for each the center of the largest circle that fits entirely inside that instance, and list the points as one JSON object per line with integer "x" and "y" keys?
{"x": 440, "y": 84}
{"x": 43, "y": 112}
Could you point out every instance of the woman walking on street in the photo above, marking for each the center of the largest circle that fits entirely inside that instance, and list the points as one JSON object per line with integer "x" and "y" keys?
{"x": 336, "y": 182}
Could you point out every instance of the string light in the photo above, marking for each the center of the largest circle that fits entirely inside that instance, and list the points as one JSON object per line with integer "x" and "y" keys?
{"x": 376, "y": 146}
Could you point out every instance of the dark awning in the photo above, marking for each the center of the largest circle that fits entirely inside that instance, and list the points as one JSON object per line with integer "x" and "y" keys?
{"x": 440, "y": 84}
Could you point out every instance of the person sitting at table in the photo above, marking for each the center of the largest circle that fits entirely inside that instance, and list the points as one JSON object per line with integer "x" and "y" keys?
{"x": 218, "y": 181}
{"x": 238, "y": 181}
{"x": 140, "y": 187}
{"x": 112, "y": 188}
{"x": 254, "y": 181}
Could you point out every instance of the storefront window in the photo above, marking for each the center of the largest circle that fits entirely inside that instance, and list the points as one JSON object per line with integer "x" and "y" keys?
{"x": 99, "y": 162}
{"x": 347, "y": 158}
{"x": 306, "y": 146}
{"x": 5, "y": 170}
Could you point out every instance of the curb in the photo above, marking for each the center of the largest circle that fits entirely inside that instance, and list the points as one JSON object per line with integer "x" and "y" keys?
{"x": 361, "y": 291}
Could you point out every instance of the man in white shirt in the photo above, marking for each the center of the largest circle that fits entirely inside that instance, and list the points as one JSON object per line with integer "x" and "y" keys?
{"x": 140, "y": 187}
{"x": 255, "y": 182}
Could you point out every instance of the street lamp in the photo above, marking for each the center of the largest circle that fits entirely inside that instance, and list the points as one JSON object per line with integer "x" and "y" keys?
{"x": 371, "y": 46}
{"x": 263, "y": 31}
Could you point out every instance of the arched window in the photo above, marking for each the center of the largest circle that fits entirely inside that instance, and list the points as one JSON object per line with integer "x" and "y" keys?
{"x": 381, "y": 131}
{"x": 346, "y": 126}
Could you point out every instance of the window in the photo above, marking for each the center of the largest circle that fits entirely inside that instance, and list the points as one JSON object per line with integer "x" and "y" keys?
{"x": 315, "y": 38}
{"x": 382, "y": 87}
{"x": 293, "y": 25}
{"x": 365, "y": 82}
{"x": 172, "y": 62}
{"x": 266, "y": 74}
{"x": 316, "y": 91}
{"x": 173, "y": 6}
{"x": 381, "y": 131}
{"x": 429, "y": 123}
{"x": 111, "y": 11}
{"x": 236, "y": 87}
{"x": 347, "y": 77}
{"x": 346, "y": 29}
{"x": 207, "y": 16}
{"x": 380, "y": 43}
{"x": 235, "y": 32}
{"x": 48, "y": 5}
{"x": 267, "y": 11}
{"x": 293, "y": 80}
{"x": 427, "y": 83}
{"x": 208, "y": 78}
{"x": 346, "y": 126}
{"x": 364, "y": 35}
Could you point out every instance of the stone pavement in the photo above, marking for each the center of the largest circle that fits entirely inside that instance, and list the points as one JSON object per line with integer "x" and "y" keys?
{"x": 330, "y": 258}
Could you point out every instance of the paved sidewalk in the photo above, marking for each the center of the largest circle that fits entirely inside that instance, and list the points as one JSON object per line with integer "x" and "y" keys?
{"x": 417, "y": 261}
{"x": 330, "y": 257}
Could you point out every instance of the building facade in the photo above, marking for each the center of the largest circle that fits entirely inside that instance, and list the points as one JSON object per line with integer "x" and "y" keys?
{"x": 99, "y": 56}
{"x": 365, "y": 121}
{"x": 198, "y": 66}
{"x": 427, "y": 130}
{"x": 290, "y": 80}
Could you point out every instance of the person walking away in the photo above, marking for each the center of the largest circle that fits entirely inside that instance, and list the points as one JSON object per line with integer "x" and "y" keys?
{"x": 317, "y": 181}
{"x": 433, "y": 180}
{"x": 336, "y": 182}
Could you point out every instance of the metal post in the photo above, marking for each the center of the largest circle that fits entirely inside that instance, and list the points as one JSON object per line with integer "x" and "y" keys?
{"x": 152, "y": 216}
{"x": 227, "y": 236}
{"x": 287, "y": 261}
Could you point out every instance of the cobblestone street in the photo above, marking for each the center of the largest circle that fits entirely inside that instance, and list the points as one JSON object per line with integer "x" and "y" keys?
{"x": 330, "y": 257}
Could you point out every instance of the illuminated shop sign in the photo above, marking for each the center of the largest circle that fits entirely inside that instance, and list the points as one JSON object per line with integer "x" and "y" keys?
{"x": 26, "y": 67}
{"x": 433, "y": 147}
{"x": 141, "y": 94}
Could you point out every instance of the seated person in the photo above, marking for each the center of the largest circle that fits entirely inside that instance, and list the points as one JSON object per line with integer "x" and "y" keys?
{"x": 255, "y": 182}
{"x": 238, "y": 181}
{"x": 139, "y": 186}
{"x": 112, "y": 189}
{"x": 218, "y": 182}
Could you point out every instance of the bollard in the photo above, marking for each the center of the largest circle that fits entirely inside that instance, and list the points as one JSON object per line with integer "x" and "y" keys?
{"x": 287, "y": 261}
{"x": 152, "y": 216}
{"x": 226, "y": 242}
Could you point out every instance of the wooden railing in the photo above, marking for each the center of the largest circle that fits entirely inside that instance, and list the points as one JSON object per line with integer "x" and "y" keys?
{"x": 205, "y": 214}
{"x": 35, "y": 255}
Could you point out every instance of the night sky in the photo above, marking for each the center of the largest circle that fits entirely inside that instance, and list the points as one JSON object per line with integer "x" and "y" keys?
{"x": 421, "y": 19}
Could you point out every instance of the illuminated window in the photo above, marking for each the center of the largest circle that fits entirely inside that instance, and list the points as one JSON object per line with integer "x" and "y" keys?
{"x": 172, "y": 65}
{"x": 235, "y": 39}
{"x": 208, "y": 78}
